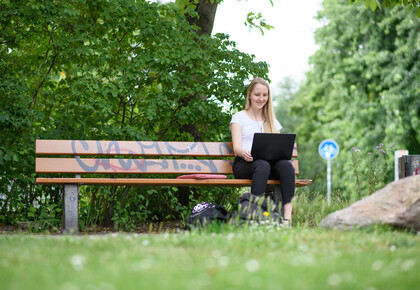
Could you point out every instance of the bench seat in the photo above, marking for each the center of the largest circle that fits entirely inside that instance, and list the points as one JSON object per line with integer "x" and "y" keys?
{"x": 159, "y": 181}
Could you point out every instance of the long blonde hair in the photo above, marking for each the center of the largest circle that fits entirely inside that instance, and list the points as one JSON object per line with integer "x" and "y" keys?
{"x": 268, "y": 113}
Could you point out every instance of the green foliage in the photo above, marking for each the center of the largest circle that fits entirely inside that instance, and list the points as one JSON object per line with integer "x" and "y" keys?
{"x": 286, "y": 89}
{"x": 371, "y": 172}
{"x": 110, "y": 70}
{"x": 311, "y": 206}
{"x": 254, "y": 20}
{"x": 362, "y": 88}
{"x": 373, "y": 4}
{"x": 125, "y": 207}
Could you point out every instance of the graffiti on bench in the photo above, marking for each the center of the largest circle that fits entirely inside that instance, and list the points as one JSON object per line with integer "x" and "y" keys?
{"x": 81, "y": 147}
{"x": 147, "y": 148}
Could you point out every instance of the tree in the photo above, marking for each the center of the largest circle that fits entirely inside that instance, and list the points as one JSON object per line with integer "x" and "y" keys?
{"x": 108, "y": 69}
{"x": 374, "y": 4}
{"x": 362, "y": 88}
{"x": 286, "y": 90}
{"x": 201, "y": 13}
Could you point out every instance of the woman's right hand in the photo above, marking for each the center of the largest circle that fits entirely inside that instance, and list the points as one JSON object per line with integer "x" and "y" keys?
{"x": 246, "y": 155}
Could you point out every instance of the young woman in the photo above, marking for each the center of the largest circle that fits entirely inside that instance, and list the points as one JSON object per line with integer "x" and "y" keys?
{"x": 258, "y": 117}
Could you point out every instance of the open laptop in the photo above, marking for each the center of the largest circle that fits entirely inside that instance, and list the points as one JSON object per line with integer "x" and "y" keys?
{"x": 273, "y": 146}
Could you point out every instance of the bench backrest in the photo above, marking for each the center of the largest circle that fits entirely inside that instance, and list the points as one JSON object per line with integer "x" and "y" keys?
{"x": 156, "y": 157}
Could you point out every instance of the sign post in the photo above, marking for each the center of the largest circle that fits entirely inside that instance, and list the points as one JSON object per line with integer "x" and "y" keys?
{"x": 328, "y": 149}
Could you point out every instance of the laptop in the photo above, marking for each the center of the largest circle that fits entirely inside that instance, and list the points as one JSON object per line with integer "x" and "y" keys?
{"x": 273, "y": 146}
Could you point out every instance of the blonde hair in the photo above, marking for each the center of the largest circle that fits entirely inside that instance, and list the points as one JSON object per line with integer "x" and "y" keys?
{"x": 268, "y": 113}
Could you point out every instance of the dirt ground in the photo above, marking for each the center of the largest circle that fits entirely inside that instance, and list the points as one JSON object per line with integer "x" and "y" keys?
{"x": 152, "y": 228}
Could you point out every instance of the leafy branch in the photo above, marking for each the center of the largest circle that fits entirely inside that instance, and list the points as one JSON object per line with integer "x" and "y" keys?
{"x": 257, "y": 21}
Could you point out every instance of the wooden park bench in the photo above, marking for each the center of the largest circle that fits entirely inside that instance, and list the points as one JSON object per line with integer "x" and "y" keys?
{"x": 74, "y": 160}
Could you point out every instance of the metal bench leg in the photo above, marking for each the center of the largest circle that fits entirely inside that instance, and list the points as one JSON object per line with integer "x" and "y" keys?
{"x": 71, "y": 209}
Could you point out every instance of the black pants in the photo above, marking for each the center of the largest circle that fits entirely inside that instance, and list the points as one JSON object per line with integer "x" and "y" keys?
{"x": 260, "y": 171}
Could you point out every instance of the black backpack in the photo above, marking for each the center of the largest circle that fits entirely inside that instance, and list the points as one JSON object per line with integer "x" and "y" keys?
{"x": 206, "y": 213}
{"x": 257, "y": 209}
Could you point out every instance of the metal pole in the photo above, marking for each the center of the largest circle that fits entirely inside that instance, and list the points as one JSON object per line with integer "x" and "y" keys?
{"x": 329, "y": 181}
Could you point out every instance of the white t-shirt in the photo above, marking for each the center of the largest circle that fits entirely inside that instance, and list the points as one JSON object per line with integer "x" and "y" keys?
{"x": 249, "y": 127}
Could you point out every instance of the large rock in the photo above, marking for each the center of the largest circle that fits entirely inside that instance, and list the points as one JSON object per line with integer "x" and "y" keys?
{"x": 397, "y": 204}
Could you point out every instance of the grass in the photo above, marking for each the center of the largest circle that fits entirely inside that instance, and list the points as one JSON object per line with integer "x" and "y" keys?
{"x": 224, "y": 257}
{"x": 219, "y": 257}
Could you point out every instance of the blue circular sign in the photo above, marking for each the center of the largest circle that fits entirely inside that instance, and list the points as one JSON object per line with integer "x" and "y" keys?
{"x": 328, "y": 149}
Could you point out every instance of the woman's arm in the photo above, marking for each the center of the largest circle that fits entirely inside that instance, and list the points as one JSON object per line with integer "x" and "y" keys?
{"x": 237, "y": 143}
{"x": 236, "y": 138}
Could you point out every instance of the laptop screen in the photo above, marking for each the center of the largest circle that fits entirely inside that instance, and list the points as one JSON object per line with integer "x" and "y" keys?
{"x": 273, "y": 146}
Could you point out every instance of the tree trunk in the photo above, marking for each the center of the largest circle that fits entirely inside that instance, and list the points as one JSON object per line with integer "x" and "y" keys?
{"x": 206, "y": 14}
{"x": 205, "y": 22}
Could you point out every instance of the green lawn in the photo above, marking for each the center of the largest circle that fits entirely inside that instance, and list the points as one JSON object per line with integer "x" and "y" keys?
{"x": 261, "y": 257}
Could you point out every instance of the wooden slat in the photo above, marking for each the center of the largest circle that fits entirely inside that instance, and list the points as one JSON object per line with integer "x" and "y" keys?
{"x": 135, "y": 148}
{"x": 136, "y": 166}
{"x": 160, "y": 182}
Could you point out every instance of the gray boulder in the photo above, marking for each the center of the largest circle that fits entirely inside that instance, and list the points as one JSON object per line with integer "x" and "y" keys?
{"x": 397, "y": 204}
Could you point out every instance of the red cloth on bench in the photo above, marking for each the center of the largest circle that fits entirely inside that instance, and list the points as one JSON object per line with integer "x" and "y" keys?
{"x": 202, "y": 176}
